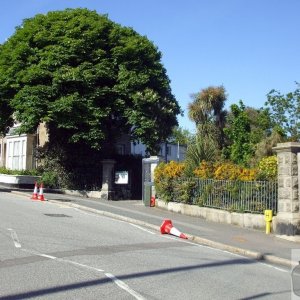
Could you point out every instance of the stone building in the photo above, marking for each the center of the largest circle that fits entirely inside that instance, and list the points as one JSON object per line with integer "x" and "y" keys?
{"x": 17, "y": 151}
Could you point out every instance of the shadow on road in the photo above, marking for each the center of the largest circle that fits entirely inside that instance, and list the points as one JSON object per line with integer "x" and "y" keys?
{"x": 86, "y": 284}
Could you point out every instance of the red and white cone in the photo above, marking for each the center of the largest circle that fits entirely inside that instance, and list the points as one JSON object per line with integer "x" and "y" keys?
{"x": 35, "y": 192}
{"x": 167, "y": 227}
{"x": 41, "y": 194}
{"x": 152, "y": 201}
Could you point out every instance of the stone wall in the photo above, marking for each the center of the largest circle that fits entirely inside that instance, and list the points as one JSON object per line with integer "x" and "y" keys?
{"x": 247, "y": 220}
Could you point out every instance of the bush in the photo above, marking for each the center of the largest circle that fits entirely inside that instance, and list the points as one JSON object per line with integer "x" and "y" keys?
{"x": 224, "y": 171}
{"x": 54, "y": 174}
{"x": 205, "y": 170}
{"x": 183, "y": 190}
{"x": 172, "y": 184}
{"x": 267, "y": 168}
{"x": 50, "y": 179}
{"x": 34, "y": 172}
{"x": 164, "y": 175}
{"x": 171, "y": 170}
{"x": 198, "y": 150}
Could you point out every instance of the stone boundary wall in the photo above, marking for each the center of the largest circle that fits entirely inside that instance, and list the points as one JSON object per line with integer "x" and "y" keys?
{"x": 246, "y": 220}
{"x": 81, "y": 193}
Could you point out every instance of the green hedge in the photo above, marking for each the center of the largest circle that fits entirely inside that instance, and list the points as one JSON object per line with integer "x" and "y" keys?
{"x": 19, "y": 172}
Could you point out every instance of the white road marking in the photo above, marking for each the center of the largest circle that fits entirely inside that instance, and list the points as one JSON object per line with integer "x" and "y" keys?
{"x": 139, "y": 227}
{"x": 117, "y": 281}
{"x": 14, "y": 238}
{"x": 47, "y": 256}
{"x": 124, "y": 286}
{"x": 81, "y": 265}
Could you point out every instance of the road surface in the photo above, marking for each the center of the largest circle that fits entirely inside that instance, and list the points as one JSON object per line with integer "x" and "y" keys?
{"x": 52, "y": 251}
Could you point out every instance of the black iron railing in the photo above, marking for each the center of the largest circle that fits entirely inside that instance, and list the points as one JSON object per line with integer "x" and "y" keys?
{"x": 239, "y": 196}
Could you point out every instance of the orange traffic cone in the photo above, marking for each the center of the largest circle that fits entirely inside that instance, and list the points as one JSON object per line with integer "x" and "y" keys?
{"x": 167, "y": 227}
{"x": 41, "y": 194}
{"x": 35, "y": 192}
{"x": 152, "y": 201}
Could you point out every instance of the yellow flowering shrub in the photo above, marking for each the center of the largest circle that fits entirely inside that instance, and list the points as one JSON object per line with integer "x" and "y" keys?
{"x": 164, "y": 173}
{"x": 205, "y": 170}
{"x": 170, "y": 170}
{"x": 267, "y": 168}
{"x": 248, "y": 174}
{"x": 172, "y": 185}
{"x": 174, "y": 169}
{"x": 225, "y": 171}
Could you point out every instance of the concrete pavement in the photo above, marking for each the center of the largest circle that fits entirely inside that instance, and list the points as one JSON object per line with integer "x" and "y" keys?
{"x": 247, "y": 242}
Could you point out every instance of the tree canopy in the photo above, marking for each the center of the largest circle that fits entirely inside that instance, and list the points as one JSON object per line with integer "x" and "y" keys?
{"x": 207, "y": 111}
{"x": 88, "y": 78}
{"x": 284, "y": 111}
{"x": 238, "y": 132}
{"x": 208, "y": 105}
{"x": 180, "y": 135}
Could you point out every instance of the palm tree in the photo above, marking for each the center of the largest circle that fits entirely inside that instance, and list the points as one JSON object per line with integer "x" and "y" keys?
{"x": 207, "y": 111}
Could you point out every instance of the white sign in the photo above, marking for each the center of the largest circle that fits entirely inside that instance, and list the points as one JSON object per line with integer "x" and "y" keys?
{"x": 121, "y": 177}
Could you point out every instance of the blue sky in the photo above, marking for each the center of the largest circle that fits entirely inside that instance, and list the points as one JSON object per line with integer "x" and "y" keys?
{"x": 249, "y": 46}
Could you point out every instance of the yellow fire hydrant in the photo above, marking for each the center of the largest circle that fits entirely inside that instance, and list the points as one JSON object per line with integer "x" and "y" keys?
{"x": 268, "y": 219}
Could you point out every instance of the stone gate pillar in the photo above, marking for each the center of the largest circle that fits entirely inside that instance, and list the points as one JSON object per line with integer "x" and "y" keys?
{"x": 287, "y": 221}
{"x": 107, "y": 191}
{"x": 149, "y": 165}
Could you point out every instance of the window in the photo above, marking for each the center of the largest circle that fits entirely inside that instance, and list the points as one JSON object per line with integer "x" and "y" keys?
{"x": 16, "y": 154}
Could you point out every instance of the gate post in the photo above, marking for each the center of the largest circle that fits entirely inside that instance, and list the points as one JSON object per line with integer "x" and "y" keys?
{"x": 107, "y": 191}
{"x": 287, "y": 221}
{"x": 148, "y": 189}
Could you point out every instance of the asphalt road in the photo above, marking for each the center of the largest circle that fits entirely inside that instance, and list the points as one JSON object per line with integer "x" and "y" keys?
{"x": 52, "y": 251}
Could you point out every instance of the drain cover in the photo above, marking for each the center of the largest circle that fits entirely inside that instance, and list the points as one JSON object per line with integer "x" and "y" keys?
{"x": 57, "y": 215}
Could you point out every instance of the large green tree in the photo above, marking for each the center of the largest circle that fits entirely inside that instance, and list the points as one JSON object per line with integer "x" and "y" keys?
{"x": 88, "y": 78}
{"x": 249, "y": 135}
{"x": 238, "y": 133}
{"x": 285, "y": 112}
